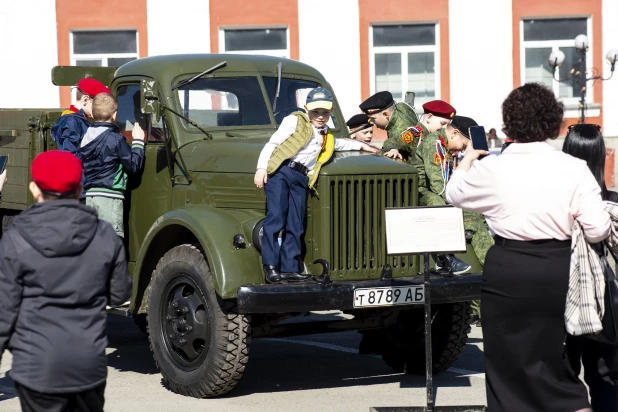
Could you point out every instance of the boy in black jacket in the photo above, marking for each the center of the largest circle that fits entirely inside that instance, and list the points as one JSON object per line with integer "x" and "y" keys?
{"x": 59, "y": 267}
{"x": 107, "y": 158}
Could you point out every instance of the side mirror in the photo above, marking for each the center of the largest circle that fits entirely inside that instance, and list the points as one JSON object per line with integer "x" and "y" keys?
{"x": 149, "y": 99}
{"x": 410, "y": 98}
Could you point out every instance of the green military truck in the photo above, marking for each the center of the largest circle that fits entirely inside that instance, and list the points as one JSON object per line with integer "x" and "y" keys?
{"x": 194, "y": 218}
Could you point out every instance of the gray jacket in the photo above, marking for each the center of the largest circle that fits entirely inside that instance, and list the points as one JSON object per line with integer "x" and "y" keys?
{"x": 59, "y": 267}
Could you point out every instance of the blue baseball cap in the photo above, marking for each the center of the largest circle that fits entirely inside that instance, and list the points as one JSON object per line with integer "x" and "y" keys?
{"x": 319, "y": 98}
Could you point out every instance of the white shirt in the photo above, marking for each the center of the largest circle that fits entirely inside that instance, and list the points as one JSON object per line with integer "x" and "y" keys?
{"x": 532, "y": 191}
{"x": 308, "y": 154}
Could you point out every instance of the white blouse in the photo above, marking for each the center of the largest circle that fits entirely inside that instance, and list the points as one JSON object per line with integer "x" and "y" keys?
{"x": 532, "y": 191}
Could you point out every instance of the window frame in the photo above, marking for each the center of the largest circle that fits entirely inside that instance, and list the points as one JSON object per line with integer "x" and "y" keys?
{"x": 404, "y": 51}
{"x": 274, "y": 53}
{"x": 555, "y": 45}
{"x": 135, "y": 81}
{"x": 104, "y": 57}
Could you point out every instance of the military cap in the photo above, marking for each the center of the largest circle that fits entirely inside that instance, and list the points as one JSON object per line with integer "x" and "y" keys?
{"x": 377, "y": 103}
{"x": 463, "y": 123}
{"x": 57, "y": 172}
{"x": 91, "y": 87}
{"x": 440, "y": 108}
{"x": 359, "y": 122}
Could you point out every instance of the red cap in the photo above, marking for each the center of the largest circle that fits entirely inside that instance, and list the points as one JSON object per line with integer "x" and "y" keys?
{"x": 57, "y": 172}
{"x": 92, "y": 87}
{"x": 440, "y": 108}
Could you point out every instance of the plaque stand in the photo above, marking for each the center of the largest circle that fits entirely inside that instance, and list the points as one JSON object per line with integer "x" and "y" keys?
{"x": 430, "y": 401}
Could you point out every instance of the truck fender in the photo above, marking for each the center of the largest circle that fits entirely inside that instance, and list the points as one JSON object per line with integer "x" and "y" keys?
{"x": 214, "y": 229}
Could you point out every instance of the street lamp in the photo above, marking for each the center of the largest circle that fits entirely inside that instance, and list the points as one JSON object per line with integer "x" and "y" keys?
{"x": 578, "y": 72}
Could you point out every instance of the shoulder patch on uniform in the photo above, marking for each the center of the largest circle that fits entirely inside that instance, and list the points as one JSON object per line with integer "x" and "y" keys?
{"x": 437, "y": 160}
{"x": 416, "y": 130}
{"x": 407, "y": 137}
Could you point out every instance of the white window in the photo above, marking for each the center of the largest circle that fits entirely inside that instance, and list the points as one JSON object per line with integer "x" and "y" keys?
{"x": 539, "y": 39}
{"x": 405, "y": 58}
{"x": 103, "y": 48}
{"x": 268, "y": 41}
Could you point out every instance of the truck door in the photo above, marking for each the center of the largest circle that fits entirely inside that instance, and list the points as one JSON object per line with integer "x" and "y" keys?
{"x": 149, "y": 192}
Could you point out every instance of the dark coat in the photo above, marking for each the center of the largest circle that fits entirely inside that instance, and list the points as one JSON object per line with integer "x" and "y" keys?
{"x": 59, "y": 267}
{"x": 107, "y": 158}
{"x": 68, "y": 131}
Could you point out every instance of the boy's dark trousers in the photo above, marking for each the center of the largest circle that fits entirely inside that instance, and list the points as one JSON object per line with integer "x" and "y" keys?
{"x": 87, "y": 401}
{"x": 286, "y": 203}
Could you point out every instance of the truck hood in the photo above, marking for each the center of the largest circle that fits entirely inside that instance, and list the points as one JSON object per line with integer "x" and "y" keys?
{"x": 235, "y": 156}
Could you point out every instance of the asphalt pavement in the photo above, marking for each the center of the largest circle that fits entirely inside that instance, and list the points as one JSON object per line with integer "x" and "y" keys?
{"x": 316, "y": 373}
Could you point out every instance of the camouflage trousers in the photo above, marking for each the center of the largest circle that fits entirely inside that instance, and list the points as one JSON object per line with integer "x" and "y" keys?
{"x": 481, "y": 238}
{"x": 481, "y": 242}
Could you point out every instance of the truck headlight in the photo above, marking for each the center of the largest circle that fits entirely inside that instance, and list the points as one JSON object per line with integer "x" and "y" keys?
{"x": 258, "y": 234}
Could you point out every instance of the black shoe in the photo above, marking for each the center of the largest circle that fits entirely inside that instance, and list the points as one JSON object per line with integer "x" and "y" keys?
{"x": 452, "y": 263}
{"x": 272, "y": 274}
{"x": 294, "y": 277}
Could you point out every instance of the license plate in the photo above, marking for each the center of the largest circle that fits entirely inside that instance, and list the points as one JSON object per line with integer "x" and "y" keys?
{"x": 389, "y": 296}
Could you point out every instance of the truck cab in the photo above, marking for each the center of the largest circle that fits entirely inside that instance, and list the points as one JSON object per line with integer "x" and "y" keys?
{"x": 193, "y": 220}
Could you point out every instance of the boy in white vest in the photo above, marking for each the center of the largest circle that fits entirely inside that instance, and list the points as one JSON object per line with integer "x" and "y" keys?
{"x": 288, "y": 165}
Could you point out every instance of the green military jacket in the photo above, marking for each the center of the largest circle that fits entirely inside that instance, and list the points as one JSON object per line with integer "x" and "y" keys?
{"x": 403, "y": 118}
{"x": 430, "y": 162}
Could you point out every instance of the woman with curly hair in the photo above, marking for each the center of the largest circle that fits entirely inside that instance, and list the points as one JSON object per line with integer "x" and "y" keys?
{"x": 530, "y": 196}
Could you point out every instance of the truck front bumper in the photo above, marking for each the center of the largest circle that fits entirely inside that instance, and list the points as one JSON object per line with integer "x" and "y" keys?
{"x": 306, "y": 297}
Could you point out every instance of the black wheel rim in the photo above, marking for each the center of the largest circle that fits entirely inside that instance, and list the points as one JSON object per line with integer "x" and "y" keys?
{"x": 184, "y": 323}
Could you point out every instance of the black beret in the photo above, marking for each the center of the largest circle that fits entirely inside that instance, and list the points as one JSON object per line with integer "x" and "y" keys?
{"x": 463, "y": 123}
{"x": 377, "y": 103}
{"x": 358, "y": 120}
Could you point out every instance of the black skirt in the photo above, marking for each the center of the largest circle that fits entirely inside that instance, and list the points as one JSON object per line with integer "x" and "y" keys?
{"x": 523, "y": 300}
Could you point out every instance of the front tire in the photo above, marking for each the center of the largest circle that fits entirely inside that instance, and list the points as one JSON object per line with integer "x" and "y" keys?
{"x": 199, "y": 342}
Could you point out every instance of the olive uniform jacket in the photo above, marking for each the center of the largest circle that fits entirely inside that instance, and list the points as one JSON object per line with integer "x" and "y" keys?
{"x": 399, "y": 135}
{"x": 433, "y": 163}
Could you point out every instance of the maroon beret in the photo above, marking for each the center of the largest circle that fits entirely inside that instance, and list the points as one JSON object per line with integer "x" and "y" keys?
{"x": 92, "y": 87}
{"x": 440, "y": 108}
{"x": 57, "y": 172}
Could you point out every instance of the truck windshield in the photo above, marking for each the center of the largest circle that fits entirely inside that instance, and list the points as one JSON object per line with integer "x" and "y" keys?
{"x": 292, "y": 96}
{"x": 220, "y": 102}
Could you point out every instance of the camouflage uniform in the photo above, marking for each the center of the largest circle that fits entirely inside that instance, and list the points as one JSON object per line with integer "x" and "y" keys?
{"x": 404, "y": 117}
{"x": 431, "y": 189}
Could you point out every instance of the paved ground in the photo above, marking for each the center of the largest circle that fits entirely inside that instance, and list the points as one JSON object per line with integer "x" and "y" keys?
{"x": 308, "y": 373}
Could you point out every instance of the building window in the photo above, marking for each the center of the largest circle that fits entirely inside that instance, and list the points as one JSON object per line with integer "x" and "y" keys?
{"x": 405, "y": 58}
{"x": 271, "y": 42}
{"x": 103, "y": 48}
{"x": 539, "y": 39}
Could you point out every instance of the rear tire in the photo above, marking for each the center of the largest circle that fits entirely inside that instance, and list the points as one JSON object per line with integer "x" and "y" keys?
{"x": 141, "y": 321}
{"x": 402, "y": 345}
{"x": 199, "y": 341}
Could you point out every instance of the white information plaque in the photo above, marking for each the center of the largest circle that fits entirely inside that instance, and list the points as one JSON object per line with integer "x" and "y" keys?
{"x": 424, "y": 229}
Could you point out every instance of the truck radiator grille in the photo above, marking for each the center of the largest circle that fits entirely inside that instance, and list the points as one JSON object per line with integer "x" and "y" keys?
{"x": 358, "y": 236}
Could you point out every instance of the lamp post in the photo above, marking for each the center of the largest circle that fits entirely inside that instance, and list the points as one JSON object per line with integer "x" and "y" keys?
{"x": 579, "y": 75}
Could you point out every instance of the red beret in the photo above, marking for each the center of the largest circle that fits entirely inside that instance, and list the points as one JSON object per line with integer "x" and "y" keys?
{"x": 440, "y": 108}
{"x": 92, "y": 87}
{"x": 57, "y": 172}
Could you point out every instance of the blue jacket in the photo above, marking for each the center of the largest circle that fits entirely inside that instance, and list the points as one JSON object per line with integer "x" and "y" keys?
{"x": 68, "y": 131}
{"x": 107, "y": 158}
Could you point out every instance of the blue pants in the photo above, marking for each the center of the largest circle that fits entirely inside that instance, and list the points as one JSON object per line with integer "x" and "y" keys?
{"x": 286, "y": 204}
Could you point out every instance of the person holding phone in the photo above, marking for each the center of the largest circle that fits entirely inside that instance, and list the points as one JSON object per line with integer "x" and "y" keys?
{"x": 530, "y": 195}
{"x": 433, "y": 161}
